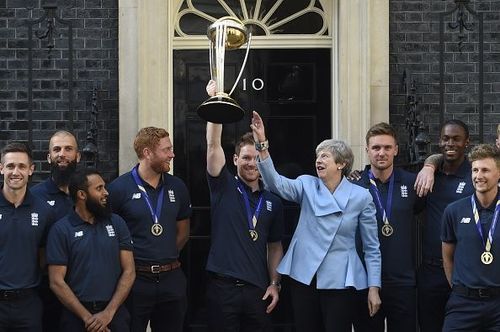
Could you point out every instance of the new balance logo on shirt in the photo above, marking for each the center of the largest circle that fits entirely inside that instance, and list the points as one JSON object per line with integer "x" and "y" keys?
{"x": 51, "y": 203}
{"x": 465, "y": 220}
{"x": 136, "y": 196}
{"x": 79, "y": 234}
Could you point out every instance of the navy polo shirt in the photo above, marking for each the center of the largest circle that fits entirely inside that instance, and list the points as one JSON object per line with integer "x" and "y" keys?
{"x": 57, "y": 199}
{"x": 91, "y": 253}
{"x": 23, "y": 231}
{"x": 398, "y": 250}
{"x": 459, "y": 227}
{"x": 233, "y": 252}
{"x": 447, "y": 189}
{"x": 128, "y": 202}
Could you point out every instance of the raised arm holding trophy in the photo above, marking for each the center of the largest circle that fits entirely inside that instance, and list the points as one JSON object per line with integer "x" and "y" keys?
{"x": 227, "y": 33}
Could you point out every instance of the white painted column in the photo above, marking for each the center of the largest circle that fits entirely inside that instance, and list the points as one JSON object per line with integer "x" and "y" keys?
{"x": 363, "y": 70}
{"x": 128, "y": 82}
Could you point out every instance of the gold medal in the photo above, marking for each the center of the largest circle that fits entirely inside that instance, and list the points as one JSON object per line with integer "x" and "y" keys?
{"x": 387, "y": 230}
{"x": 156, "y": 229}
{"x": 486, "y": 258}
{"x": 253, "y": 234}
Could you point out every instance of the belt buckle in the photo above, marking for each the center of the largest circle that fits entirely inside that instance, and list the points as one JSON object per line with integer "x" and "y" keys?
{"x": 9, "y": 295}
{"x": 483, "y": 293}
{"x": 155, "y": 269}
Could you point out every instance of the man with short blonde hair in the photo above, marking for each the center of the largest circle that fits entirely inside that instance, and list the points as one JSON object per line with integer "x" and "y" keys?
{"x": 470, "y": 245}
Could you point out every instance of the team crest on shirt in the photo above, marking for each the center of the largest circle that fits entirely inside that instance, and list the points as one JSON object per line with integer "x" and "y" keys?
{"x": 34, "y": 219}
{"x": 171, "y": 196}
{"x": 460, "y": 188}
{"x": 111, "y": 230}
{"x": 51, "y": 203}
{"x": 269, "y": 205}
{"x": 404, "y": 191}
{"x": 465, "y": 220}
{"x": 136, "y": 196}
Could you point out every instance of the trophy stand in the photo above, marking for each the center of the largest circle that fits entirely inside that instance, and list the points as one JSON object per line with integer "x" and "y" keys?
{"x": 227, "y": 33}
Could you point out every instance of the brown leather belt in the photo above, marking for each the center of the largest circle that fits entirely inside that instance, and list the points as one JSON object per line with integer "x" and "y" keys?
{"x": 155, "y": 269}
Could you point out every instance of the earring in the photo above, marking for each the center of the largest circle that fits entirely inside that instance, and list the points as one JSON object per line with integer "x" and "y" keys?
{"x": 339, "y": 168}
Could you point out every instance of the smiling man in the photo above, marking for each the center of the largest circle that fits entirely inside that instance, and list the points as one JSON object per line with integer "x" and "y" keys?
{"x": 156, "y": 207}
{"x": 24, "y": 221}
{"x": 452, "y": 182}
{"x": 247, "y": 227}
{"x": 63, "y": 157}
{"x": 470, "y": 249}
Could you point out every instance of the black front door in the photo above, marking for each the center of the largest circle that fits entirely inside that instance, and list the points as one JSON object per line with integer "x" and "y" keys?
{"x": 291, "y": 89}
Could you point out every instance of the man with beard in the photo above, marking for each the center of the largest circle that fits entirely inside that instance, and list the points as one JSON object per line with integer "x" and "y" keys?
{"x": 470, "y": 249}
{"x": 63, "y": 157}
{"x": 452, "y": 182}
{"x": 396, "y": 203}
{"x": 156, "y": 207}
{"x": 247, "y": 228}
{"x": 24, "y": 221}
{"x": 91, "y": 266}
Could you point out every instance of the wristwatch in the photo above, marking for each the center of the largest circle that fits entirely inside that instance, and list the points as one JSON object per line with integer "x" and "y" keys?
{"x": 276, "y": 283}
{"x": 261, "y": 146}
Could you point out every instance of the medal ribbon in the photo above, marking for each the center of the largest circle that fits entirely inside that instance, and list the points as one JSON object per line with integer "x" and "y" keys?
{"x": 155, "y": 215}
{"x": 386, "y": 213}
{"x": 252, "y": 218}
{"x": 489, "y": 241}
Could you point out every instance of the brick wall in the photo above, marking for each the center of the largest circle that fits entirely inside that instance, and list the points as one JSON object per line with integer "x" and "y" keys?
{"x": 414, "y": 47}
{"x": 95, "y": 65}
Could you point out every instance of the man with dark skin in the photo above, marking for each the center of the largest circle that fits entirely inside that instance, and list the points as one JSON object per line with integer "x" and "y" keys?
{"x": 452, "y": 182}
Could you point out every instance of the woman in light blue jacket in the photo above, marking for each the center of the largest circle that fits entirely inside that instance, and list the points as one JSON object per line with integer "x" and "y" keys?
{"x": 326, "y": 273}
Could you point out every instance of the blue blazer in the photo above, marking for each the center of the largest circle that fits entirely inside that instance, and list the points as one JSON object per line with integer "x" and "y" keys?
{"x": 324, "y": 241}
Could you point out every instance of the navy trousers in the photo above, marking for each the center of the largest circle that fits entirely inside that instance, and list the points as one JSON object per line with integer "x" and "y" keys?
{"x": 433, "y": 293}
{"x": 469, "y": 314}
{"x": 21, "y": 313}
{"x": 235, "y": 305}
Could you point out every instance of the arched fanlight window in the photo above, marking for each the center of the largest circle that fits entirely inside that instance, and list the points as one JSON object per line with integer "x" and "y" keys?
{"x": 263, "y": 17}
